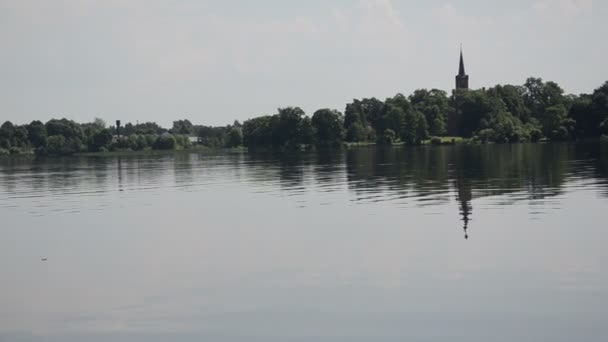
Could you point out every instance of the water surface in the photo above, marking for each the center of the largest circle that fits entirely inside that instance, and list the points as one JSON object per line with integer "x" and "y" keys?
{"x": 453, "y": 243}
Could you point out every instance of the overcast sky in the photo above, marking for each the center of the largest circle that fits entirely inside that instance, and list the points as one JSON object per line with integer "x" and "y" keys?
{"x": 214, "y": 61}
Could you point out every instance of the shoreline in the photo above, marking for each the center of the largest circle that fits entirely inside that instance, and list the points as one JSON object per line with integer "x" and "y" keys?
{"x": 445, "y": 141}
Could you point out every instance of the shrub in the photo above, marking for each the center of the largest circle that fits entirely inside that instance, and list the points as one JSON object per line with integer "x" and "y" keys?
{"x": 101, "y": 139}
{"x": 485, "y": 135}
{"x": 436, "y": 141}
{"x": 387, "y": 137}
{"x": 150, "y": 139}
{"x": 121, "y": 143}
{"x": 165, "y": 142}
{"x": 56, "y": 144}
{"x": 356, "y": 132}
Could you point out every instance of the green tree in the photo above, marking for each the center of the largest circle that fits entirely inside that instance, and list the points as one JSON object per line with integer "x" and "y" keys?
{"x": 150, "y": 139}
{"x": 538, "y": 95}
{"x": 101, "y": 140}
{"x": 328, "y": 127}
{"x": 56, "y": 145}
{"x": 235, "y": 137}
{"x": 286, "y": 130}
{"x": 513, "y": 99}
{"x": 599, "y": 108}
{"x": 587, "y": 124}
{"x": 258, "y": 131}
{"x": 182, "y": 127}
{"x": 211, "y": 136}
{"x": 356, "y": 132}
{"x": 98, "y": 123}
{"x": 71, "y": 132}
{"x": 165, "y": 142}
{"x": 434, "y": 104}
{"x": 307, "y": 133}
{"x": 414, "y": 128}
{"x": 64, "y": 127}
{"x": 36, "y": 134}
{"x": 7, "y": 132}
{"x": 20, "y": 137}
{"x": 506, "y": 128}
{"x": 366, "y": 112}
{"x": 552, "y": 120}
{"x": 474, "y": 110}
{"x": 387, "y": 137}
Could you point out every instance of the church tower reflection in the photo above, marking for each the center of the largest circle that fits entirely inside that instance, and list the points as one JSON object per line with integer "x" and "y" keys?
{"x": 464, "y": 196}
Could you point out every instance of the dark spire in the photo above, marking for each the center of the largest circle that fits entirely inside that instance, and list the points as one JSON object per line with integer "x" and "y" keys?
{"x": 462, "y": 79}
{"x": 461, "y": 68}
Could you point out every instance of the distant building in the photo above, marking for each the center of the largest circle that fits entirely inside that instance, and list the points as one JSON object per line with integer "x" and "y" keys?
{"x": 462, "y": 79}
{"x": 462, "y": 85}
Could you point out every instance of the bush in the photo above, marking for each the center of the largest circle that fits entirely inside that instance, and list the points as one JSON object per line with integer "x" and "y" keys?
{"x": 187, "y": 142}
{"x": 4, "y": 152}
{"x": 133, "y": 142}
{"x": 182, "y": 141}
{"x": 235, "y": 137}
{"x": 150, "y": 139}
{"x": 387, "y": 137}
{"x": 142, "y": 143}
{"x": 122, "y": 143}
{"x": 56, "y": 144}
{"x": 436, "y": 141}
{"x": 165, "y": 142}
{"x": 14, "y": 150}
{"x": 485, "y": 135}
{"x": 356, "y": 133}
{"x": 101, "y": 139}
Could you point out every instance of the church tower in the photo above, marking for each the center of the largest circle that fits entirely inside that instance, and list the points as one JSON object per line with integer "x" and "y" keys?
{"x": 462, "y": 79}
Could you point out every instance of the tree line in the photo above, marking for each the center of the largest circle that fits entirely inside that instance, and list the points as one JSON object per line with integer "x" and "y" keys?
{"x": 501, "y": 114}
{"x": 64, "y": 137}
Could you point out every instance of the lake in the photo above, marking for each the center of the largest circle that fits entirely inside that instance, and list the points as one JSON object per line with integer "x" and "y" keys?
{"x": 450, "y": 243}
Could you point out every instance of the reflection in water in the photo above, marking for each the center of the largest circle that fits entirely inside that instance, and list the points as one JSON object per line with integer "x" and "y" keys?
{"x": 409, "y": 177}
{"x": 358, "y": 244}
{"x": 464, "y": 197}
{"x": 119, "y": 172}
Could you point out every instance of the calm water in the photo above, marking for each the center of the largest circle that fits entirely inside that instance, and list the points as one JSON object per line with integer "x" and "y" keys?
{"x": 357, "y": 245}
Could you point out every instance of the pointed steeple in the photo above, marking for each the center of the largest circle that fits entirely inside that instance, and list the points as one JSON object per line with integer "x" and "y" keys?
{"x": 461, "y": 68}
{"x": 462, "y": 79}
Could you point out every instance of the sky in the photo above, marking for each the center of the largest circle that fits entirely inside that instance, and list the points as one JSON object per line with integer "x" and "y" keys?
{"x": 216, "y": 61}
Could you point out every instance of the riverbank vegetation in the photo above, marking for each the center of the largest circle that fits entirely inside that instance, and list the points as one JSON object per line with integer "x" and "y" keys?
{"x": 502, "y": 114}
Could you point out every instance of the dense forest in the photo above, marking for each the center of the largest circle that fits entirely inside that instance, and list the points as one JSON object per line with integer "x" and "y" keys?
{"x": 502, "y": 114}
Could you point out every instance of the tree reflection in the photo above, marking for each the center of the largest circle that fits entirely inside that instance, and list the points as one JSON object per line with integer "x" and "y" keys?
{"x": 418, "y": 176}
{"x": 537, "y": 170}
